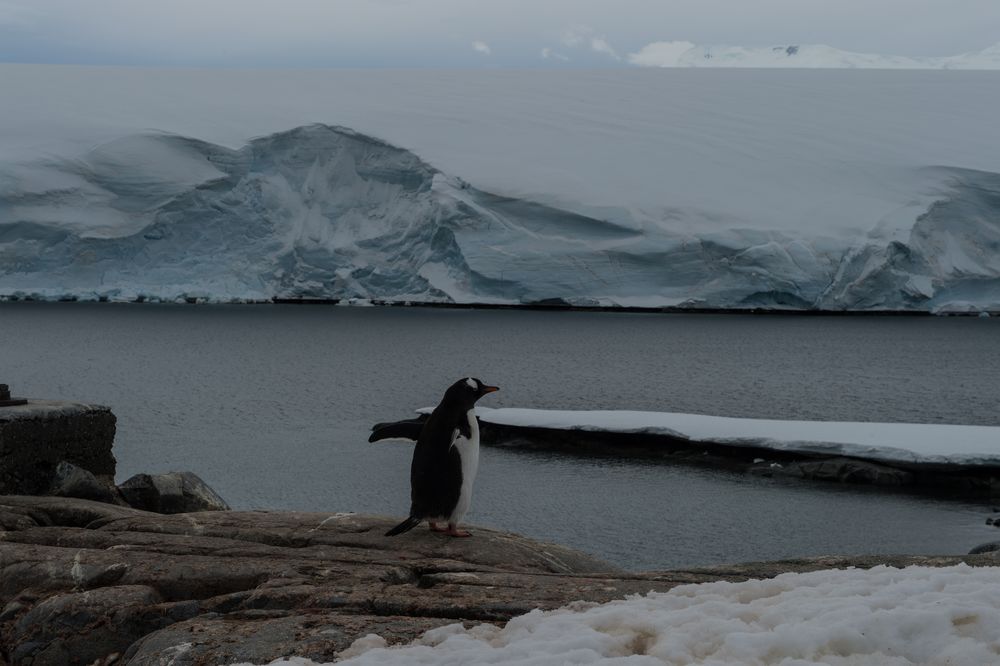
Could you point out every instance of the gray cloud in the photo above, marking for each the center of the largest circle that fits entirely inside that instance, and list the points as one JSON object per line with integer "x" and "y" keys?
{"x": 549, "y": 54}
{"x": 580, "y": 35}
{"x": 601, "y": 45}
{"x": 438, "y": 32}
{"x": 16, "y": 15}
{"x": 576, "y": 34}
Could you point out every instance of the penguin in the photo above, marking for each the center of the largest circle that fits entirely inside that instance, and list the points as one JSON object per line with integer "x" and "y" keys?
{"x": 445, "y": 460}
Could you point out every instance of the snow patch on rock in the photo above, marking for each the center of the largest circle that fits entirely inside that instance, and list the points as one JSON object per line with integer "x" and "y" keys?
{"x": 887, "y": 616}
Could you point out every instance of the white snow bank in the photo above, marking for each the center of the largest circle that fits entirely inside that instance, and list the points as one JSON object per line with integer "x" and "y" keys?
{"x": 890, "y": 442}
{"x": 885, "y": 616}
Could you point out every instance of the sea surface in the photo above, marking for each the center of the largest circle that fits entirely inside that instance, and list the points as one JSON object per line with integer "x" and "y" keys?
{"x": 272, "y": 405}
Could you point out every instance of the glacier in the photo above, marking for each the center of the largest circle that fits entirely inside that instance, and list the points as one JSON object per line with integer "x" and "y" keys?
{"x": 845, "y": 191}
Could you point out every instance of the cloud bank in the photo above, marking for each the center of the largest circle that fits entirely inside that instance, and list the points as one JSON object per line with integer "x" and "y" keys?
{"x": 437, "y": 33}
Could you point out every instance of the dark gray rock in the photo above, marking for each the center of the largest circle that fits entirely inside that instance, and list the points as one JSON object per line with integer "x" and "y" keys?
{"x": 991, "y": 547}
{"x": 174, "y": 492}
{"x": 83, "y": 627}
{"x": 96, "y": 582}
{"x": 6, "y": 400}
{"x": 72, "y": 481}
{"x": 255, "y": 586}
{"x": 259, "y": 638}
{"x": 36, "y": 437}
{"x": 849, "y": 470}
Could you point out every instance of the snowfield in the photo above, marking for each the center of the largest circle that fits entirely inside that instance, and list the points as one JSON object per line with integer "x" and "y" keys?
{"x": 686, "y": 54}
{"x": 885, "y": 442}
{"x": 878, "y": 617}
{"x": 835, "y": 190}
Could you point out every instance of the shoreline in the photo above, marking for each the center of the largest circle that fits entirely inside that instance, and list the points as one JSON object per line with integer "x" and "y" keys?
{"x": 553, "y": 305}
{"x": 105, "y": 582}
{"x": 963, "y": 482}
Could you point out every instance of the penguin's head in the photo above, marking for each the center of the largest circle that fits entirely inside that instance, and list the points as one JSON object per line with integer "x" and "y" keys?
{"x": 469, "y": 390}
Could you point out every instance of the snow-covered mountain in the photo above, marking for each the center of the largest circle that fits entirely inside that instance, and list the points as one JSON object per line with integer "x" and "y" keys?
{"x": 659, "y": 189}
{"x": 818, "y": 56}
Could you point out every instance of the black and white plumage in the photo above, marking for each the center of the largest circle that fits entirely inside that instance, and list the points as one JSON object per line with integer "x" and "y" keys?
{"x": 445, "y": 460}
{"x": 408, "y": 429}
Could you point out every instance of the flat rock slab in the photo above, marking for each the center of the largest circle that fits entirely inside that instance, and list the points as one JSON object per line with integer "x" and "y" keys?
{"x": 82, "y": 581}
{"x": 46, "y": 409}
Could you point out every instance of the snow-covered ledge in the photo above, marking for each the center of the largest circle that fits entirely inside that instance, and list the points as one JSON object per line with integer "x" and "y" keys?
{"x": 882, "y": 442}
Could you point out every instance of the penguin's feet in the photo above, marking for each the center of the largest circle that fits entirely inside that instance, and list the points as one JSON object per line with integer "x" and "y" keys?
{"x": 434, "y": 527}
{"x": 455, "y": 532}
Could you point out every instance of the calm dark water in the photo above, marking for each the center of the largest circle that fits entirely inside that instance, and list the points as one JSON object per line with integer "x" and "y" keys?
{"x": 272, "y": 404}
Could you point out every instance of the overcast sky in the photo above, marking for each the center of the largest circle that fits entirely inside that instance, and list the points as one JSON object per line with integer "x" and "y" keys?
{"x": 469, "y": 33}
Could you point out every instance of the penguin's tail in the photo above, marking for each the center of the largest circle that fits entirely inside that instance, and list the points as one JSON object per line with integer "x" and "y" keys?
{"x": 404, "y": 526}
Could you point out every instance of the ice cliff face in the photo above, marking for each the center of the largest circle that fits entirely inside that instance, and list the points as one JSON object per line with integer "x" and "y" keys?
{"x": 316, "y": 211}
{"x": 325, "y": 212}
{"x": 948, "y": 260}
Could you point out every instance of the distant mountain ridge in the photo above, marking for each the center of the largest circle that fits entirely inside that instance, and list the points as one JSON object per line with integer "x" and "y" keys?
{"x": 687, "y": 54}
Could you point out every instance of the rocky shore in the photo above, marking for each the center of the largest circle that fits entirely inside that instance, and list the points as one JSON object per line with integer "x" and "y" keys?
{"x": 156, "y": 570}
{"x": 83, "y": 582}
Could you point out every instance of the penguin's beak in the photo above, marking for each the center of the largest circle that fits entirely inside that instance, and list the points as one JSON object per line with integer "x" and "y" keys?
{"x": 484, "y": 389}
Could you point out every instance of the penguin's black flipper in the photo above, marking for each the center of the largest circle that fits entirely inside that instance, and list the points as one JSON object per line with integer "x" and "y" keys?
{"x": 402, "y": 429}
{"x": 404, "y": 526}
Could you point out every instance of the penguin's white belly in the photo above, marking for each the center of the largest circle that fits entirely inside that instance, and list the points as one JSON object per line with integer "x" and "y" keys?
{"x": 468, "y": 451}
